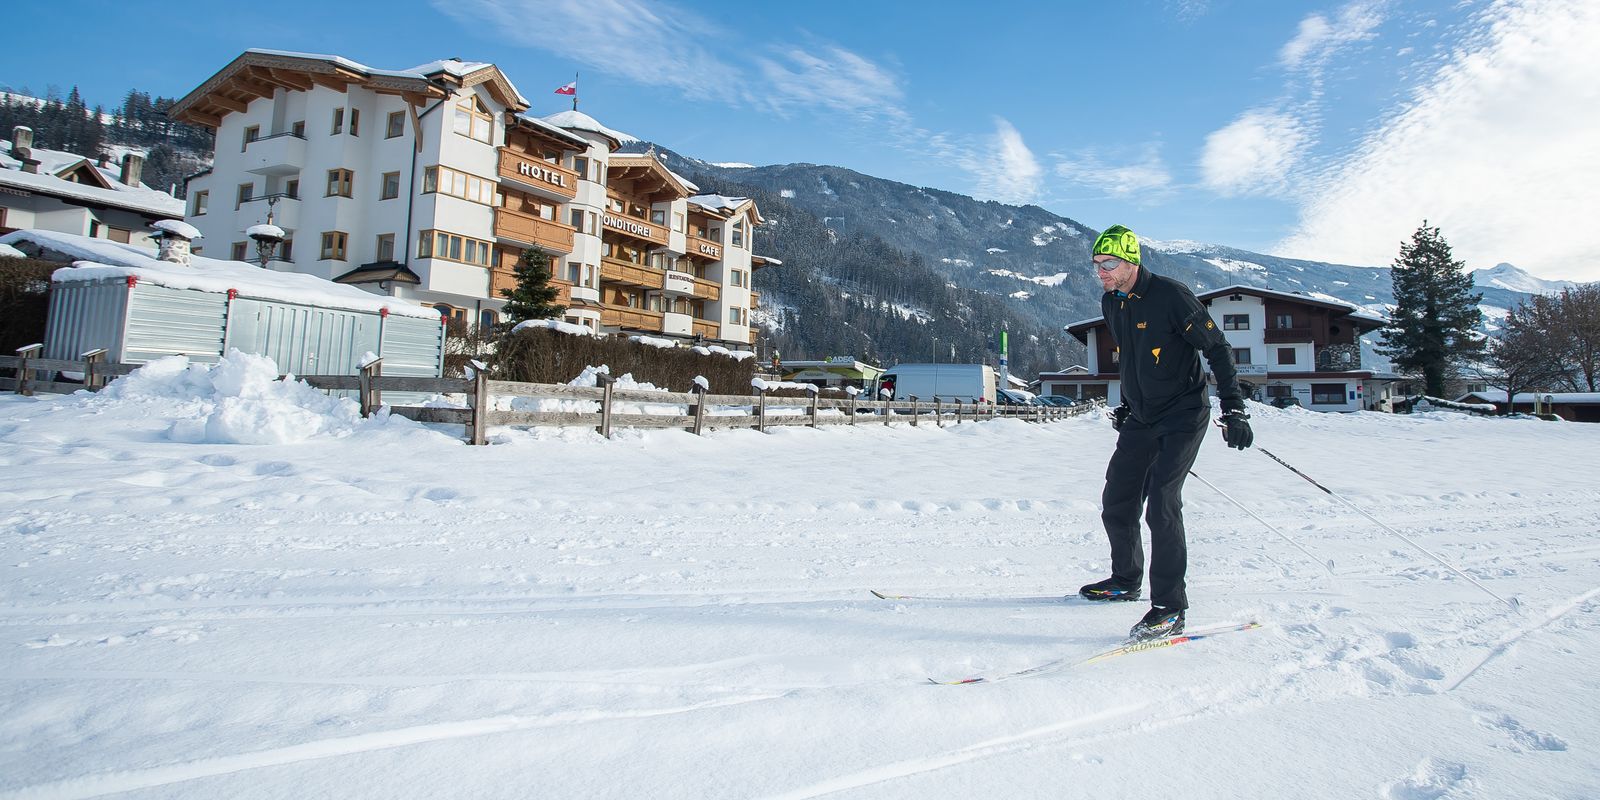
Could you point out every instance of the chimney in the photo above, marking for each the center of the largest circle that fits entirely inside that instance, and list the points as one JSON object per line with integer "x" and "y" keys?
{"x": 174, "y": 240}
{"x": 22, "y": 148}
{"x": 132, "y": 169}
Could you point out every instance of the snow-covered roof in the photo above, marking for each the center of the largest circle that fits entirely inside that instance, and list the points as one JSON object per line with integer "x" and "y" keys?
{"x": 97, "y": 259}
{"x": 1323, "y": 299}
{"x": 718, "y": 202}
{"x": 8, "y": 251}
{"x": 1572, "y": 398}
{"x": 578, "y": 121}
{"x": 553, "y": 130}
{"x": 47, "y": 181}
{"x": 690, "y": 185}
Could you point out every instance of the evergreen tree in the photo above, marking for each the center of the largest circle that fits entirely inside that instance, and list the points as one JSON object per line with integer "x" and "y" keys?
{"x": 1433, "y": 330}
{"x": 534, "y": 297}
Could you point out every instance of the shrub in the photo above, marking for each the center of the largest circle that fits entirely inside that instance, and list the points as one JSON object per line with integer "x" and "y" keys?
{"x": 24, "y": 301}
{"x": 541, "y": 355}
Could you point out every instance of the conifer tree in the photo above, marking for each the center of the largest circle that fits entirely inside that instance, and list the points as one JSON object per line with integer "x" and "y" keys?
{"x": 1433, "y": 330}
{"x": 534, "y": 297}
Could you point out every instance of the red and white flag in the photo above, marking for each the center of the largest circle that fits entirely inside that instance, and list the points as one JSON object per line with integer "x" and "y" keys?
{"x": 569, "y": 89}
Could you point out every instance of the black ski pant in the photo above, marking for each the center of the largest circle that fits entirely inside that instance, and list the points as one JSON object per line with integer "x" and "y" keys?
{"x": 1147, "y": 471}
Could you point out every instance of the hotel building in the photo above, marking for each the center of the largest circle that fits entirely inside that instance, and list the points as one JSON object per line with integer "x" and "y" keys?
{"x": 429, "y": 183}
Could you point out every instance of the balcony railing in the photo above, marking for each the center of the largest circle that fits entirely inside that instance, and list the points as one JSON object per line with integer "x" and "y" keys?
{"x": 285, "y": 210}
{"x": 704, "y": 248}
{"x": 539, "y": 174}
{"x": 630, "y": 274}
{"x": 533, "y": 230}
{"x": 635, "y": 318}
{"x": 278, "y": 154}
{"x": 1288, "y": 335}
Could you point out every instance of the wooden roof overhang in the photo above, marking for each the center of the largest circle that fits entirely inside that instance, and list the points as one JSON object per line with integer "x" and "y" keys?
{"x": 499, "y": 86}
{"x": 546, "y": 133}
{"x": 256, "y": 75}
{"x": 651, "y": 180}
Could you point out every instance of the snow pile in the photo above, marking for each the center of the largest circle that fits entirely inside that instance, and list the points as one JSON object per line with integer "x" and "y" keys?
{"x": 556, "y": 325}
{"x": 238, "y": 400}
{"x": 181, "y": 229}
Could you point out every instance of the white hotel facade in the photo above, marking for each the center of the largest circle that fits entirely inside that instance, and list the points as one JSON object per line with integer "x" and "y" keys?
{"x": 429, "y": 183}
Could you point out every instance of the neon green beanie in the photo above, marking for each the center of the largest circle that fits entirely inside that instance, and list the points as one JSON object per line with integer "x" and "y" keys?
{"x": 1118, "y": 241}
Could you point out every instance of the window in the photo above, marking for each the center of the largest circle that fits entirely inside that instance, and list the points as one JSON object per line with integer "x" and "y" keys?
{"x": 251, "y": 134}
{"x": 575, "y": 219}
{"x": 1286, "y": 355}
{"x": 201, "y": 200}
{"x": 487, "y": 318}
{"x": 333, "y": 245}
{"x": 1327, "y": 394}
{"x": 574, "y": 272}
{"x": 1241, "y": 355}
{"x": 396, "y": 125}
{"x": 286, "y": 250}
{"x": 1279, "y": 390}
{"x": 654, "y": 303}
{"x": 451, "y": 247}
{"x": 658, "y": 216}
{"x": 468, "y": 187}
{"x": 298, "y": 129}
{"x": 736, "y": 316}
{"x": 738, "y": 277}
{"x": 386, "y": 247}
{"x": 677, "y": 222}
{"x": 738, "y": 235}
{"x": 355, "y": 122}
{"x": 580, "y": 165}
{"x": 339, "y": 182}
{"x": 473, "y": 119}
{"x": 292, "y": 188}
{"x": 1285, "y": 320}
{"x": 338, "y": 121}
{"x": 1236, "y": 322}
{"x": 239, "y": 251}
{"x": 247, "y": 192}
{"x": 391, "y": 186}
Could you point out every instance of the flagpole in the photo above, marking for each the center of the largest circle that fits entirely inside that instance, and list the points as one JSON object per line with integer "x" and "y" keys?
{"x": 574, "y": 90}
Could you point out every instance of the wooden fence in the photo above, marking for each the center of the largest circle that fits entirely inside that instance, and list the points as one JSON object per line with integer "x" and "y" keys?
{"x": 700, "y": 409}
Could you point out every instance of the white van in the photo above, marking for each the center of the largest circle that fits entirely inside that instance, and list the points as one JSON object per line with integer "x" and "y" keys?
{"x": 969, "y": 383}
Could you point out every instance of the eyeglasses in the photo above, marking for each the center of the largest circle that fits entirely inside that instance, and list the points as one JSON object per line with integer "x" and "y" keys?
{"x": 1108, "y": 265}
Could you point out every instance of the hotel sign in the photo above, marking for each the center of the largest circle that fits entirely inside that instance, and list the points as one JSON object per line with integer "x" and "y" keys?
{"x": 710, "y": 250}
{"x": 540, "y": 173}
{"x": 626, "y": 225}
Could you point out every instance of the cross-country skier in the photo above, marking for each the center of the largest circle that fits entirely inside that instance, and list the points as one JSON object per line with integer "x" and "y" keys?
{"x": 1160, "y": 330}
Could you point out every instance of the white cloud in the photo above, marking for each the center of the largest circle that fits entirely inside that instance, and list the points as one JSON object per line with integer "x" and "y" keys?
{"x": 1254, "y": 154}
{"x": 836, "y": 78}
{"x": 1320, "y": 38}
{"x": 1496, "y": 148}
{"x": 1146, "y": 178}
{"x": 1005, "y": 170}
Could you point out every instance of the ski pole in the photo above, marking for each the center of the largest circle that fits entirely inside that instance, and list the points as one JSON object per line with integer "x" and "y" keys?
{"x": 1326, "y": 565}
{"x": 1408, "y": 540}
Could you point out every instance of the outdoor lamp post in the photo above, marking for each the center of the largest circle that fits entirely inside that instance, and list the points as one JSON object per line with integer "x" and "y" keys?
{"x": 267, "y": 236}
{"x": 935, "y": 349}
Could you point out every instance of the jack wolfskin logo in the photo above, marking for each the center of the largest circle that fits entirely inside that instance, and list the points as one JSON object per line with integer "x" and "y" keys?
{"x": 1141, "y": 326}
{"x": 1156, "y": 351}
{"x": 1210, "y": 325}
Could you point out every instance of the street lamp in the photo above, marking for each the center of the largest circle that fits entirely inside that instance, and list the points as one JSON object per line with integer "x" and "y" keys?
{"x": 935, "y": 349}
{"x": 267, "y": 236}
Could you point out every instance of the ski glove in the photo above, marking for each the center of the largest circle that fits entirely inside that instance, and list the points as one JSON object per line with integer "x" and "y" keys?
{"x": 1119, "y": 415}
{"x": 1236, "y": 429}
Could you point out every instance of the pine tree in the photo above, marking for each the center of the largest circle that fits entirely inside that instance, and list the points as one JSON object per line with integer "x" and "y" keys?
{"x": 534, "y": 297}
{"x": 1433, "y": 330}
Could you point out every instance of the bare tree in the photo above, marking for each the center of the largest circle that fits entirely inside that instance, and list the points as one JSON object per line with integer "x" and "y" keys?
{"x": 1527, "y": 356}
{"x": 1576, "y": 324}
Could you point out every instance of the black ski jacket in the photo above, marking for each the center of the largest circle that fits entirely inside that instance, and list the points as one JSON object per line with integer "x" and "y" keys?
{"x": 1160, "y": 329}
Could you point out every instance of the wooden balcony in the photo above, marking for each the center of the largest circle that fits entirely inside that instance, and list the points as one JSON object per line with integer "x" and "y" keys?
{"x": 704, "y": 248}
{"x": 633, "y": 226}
{"x": 632, "y": 318}
{"x": 755, "y": 298}
{"x": 710, "y": 330}
{"x": 629, "y": 274}
{"x": 1287, "y": 335}
{"x": 707, "y": 290}
{"x": 522, "y": 227}
{"x": 539, "y": 174}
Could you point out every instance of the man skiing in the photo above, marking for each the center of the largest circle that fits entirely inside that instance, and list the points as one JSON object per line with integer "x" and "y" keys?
{"x": 1160, "y": 330}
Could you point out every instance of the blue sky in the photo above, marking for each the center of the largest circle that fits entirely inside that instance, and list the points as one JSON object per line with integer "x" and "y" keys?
{"x": 1318, "y": 130}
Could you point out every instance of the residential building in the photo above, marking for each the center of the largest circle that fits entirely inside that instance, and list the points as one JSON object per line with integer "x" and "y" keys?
{"x": 429, "y": 184}
{"x": 1287, "y": 348}
{"x": 1570, "y": 406}
{"x": 835, "y": 372}
{"x": 65, "y": 192}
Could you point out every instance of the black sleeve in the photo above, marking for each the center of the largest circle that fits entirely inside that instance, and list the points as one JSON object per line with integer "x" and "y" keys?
{"x": 1197, "y": 328}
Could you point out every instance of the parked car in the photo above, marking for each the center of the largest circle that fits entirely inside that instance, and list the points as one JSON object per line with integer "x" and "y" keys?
{"x": 1015, "y": 397}
{"x": 1285, "y": 402}
{"x": 969, "y": 383}
{"x": 1056, "y": 400}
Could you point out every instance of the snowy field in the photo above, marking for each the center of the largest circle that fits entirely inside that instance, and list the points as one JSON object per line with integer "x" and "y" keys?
{"x": 218, "y": 587}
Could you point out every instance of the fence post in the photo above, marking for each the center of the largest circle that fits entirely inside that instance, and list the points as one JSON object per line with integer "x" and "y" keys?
{"x": 959, "y": 404}
{"x": 812, "y": 389}
{"x": 761, "y": 409}
{"x": 25, "y": 353}
{"x": 699, "y": 410}
{"x": 480, "y": 406}
{"x": 938, "y": 411}
{"x": 608, "y": 385}
{"x": 885, "y": 408}
{"x": 90, "y": 359}
{"x": 851, "y": 409}
{"x": 371, "y": 395}
{"x": 915, "y": 411}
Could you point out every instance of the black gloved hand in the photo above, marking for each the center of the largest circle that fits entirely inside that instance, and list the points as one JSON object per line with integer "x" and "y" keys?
{"x": 1235, "y": 424}
{"x": 1119, "y": 415}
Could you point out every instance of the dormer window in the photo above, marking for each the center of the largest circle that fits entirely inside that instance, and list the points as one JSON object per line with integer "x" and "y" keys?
{"x": 474, "y": 119}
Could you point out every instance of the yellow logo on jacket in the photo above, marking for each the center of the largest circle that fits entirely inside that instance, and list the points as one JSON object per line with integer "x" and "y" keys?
{"x": 1142, "y": 325}
{"x": 1156, "y": 351}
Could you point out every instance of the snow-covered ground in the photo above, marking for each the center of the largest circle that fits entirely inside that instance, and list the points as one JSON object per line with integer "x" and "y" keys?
{"x": 370, "y": 608}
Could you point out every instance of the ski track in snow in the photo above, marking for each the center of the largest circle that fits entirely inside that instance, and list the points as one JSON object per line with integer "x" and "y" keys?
{"x": 223, "y": 620}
